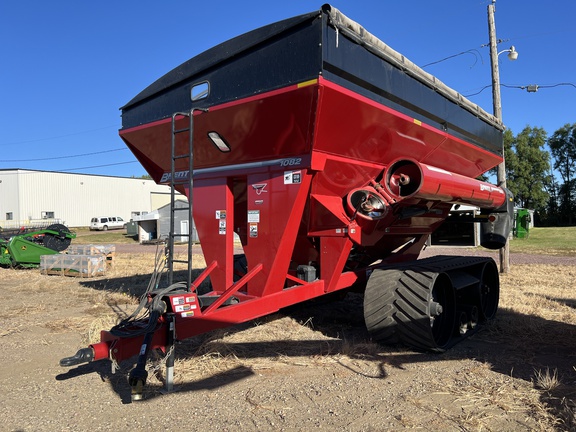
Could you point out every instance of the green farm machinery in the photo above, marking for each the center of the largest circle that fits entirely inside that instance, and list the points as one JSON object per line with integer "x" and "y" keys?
{"x": 23, "y": 247}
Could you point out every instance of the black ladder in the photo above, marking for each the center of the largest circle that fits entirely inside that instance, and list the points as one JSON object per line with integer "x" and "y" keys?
{"x": 187, "y": 180}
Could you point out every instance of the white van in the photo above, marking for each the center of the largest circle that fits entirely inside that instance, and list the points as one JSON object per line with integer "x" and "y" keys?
{"x": 104, "y": 223}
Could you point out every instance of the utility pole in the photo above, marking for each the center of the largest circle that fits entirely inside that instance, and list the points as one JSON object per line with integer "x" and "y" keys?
{"x": 504, "y": 253}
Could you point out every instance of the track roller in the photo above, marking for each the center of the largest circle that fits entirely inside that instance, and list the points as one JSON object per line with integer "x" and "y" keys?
{"x": 431, "y": 304}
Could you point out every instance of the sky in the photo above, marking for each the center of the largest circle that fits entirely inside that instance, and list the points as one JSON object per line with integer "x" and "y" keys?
{"x": 68, "y": 66}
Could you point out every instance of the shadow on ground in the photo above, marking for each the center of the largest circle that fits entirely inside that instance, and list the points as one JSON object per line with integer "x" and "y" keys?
{"x": 512, "y": 344}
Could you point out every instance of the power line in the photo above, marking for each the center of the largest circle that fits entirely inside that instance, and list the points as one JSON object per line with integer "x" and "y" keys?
{"x": 478, "y": 92}
{"x": 32, "y": 171}
{"x": 532, "y": 88}
{"x": 57, "y": 137}
{"x": 63, "y": 157}
{"x": 99, "y": 166}
{"x": 474, "y": 52}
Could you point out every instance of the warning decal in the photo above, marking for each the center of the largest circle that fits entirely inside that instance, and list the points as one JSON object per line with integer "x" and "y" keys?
{"x": 221, "y": 217}
{"x": 253, "y": 230}
{"x": 254, "y": 216}
{"x": 292, "y": 177}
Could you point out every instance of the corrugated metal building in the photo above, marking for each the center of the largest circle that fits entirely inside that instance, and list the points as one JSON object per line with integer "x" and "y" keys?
{"x": 27, "y": 196}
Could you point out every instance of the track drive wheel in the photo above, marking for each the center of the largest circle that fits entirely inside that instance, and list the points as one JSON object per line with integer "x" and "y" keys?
{"x": 411, "y": 306}
{"x": 57, "y": 242}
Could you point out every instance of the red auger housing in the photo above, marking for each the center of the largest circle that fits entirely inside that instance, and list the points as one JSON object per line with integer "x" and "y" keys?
{"x": 329, "y": 157}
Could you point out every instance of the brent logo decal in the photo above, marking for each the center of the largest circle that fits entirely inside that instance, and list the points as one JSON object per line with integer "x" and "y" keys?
{"x": 259, "y": 188}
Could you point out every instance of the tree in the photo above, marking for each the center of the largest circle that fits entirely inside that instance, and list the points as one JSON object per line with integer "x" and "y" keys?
{"x": 509, "y": 155}
{"x": 563, "y": 148}
{"x": 551, "y": 215}
{"x": 527, "y": 167}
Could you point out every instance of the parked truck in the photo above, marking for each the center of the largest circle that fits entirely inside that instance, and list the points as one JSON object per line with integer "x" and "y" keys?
{"x": 332, "y": 158}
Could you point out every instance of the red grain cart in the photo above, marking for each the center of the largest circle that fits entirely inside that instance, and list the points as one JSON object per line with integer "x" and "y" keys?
{"x": 332, "y": 158}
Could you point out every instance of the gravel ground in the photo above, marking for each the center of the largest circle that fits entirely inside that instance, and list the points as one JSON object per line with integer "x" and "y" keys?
{"x": 336, "y": 387}
{"x": 515, "y": 258}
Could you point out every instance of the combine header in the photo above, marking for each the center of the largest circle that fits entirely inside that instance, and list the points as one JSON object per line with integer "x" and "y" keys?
{"x": 332, "y": 158}
{"x": 23, "y": 247}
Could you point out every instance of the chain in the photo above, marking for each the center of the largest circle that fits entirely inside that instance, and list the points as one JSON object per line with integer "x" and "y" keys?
{"x": 115, "y": 366}
{"x": 160, "y": 363}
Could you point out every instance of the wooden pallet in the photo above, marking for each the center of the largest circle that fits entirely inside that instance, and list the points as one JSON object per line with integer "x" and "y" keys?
{"x": 83, "y": 266}
{"x": 109, "y": 251}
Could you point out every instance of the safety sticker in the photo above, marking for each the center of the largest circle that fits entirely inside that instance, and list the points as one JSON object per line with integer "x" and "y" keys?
{"x": 254, "y": 216}
{"x": 221, "y": 217}
{"x": 182, "y": 308}
{"x": 292, "y": 177}
{"x": 187, "y": 314}
{"x": 253, "y": 230}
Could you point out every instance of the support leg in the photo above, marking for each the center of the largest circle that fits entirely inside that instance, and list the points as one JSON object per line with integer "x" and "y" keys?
{"x": 170, "y": 354}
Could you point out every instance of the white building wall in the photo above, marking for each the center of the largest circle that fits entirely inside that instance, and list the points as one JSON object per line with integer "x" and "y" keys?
{"x": 9, "y": 202}
{"x": 74, "y": 198}
{"x": 160, "y": 199}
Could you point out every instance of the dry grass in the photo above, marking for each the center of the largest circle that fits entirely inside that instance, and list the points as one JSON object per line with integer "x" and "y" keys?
{"x": 545, "y": 380}
{"x": 481, "y": 394}
{"x": 536, "y": 324}
{"x": 537, "y": 306}
{"x": 537, "y": 310}
{"x": 530, "y": 371}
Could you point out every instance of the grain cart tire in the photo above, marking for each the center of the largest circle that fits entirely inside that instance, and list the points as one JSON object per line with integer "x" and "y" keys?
{"x": 414, "y": 307}
{"x": 489, "y": 291}
{"x": 57, "y": 242}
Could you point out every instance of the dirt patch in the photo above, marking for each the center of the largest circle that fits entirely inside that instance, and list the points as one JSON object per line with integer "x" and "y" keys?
{"x": 312, "y": 366}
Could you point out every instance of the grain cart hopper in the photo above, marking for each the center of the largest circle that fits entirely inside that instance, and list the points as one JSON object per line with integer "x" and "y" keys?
{"x": 332, "y": 158}
{"x": 24, "y": 246}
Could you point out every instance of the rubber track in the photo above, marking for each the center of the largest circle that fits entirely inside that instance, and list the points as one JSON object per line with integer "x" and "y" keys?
{"x": 395, "y": 308}
{"x": 396, "y": 301}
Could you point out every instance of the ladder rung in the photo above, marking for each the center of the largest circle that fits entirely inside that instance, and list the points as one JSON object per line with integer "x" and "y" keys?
{"x": 180, "y": 235}
{"x": 187, "y": 182}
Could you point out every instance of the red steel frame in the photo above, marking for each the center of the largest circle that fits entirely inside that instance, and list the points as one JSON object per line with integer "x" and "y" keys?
{"x": 296, "y": 154}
